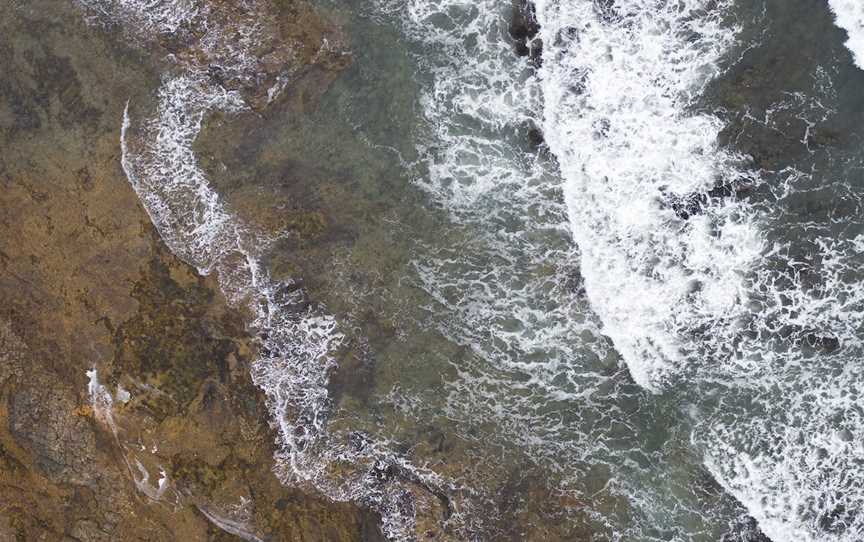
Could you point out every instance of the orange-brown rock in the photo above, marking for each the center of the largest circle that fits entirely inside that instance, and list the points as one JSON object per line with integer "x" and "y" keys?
{"x": 86, "y": 283}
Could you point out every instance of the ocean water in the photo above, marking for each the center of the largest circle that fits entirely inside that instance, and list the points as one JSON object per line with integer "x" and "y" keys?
{"x": 607, "y": 290}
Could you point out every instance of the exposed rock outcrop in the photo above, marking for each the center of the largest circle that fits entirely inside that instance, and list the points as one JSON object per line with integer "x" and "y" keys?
{"x": 85, "y": 282}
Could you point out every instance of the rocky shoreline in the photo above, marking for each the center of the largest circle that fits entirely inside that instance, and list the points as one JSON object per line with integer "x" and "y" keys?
{"x": 127, "y": 409}
{"x": 86, "y": 283}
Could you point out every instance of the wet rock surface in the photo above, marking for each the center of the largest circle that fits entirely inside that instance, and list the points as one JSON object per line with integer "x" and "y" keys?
{"x": 185, "y": 451}
{"x": 524, "y": 29}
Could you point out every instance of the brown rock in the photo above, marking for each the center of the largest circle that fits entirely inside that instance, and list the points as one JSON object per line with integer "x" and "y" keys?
{"x": 85, "y": 282}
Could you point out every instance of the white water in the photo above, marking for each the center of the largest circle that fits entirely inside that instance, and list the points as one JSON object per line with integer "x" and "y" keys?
{"x": 626, "y": 142}
{"x": 701, "y": 301}
{"x": 696, "y": 303}
{"x": 706, "y": 303}
{"x": 849, "y": 16}
{"x": 507, "y": 285}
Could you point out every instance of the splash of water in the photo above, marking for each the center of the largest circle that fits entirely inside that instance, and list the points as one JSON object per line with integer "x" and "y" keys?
{"x": 849, "y": 16}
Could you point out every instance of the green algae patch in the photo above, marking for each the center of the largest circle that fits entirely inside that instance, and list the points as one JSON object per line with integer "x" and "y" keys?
{"x": 196, "y": 474}
{"x": 170, "y": 343}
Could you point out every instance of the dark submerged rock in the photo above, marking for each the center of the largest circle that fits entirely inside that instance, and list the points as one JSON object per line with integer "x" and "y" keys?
{"x": 535, "y": 52}
{"x": 824, "y": 343}
{"x": 695, "y": 204}
{"x": 535, "y": 137}
{"x": 746, "y": 531}
{"x": 523, "y": 24}
{"x": 524, "y": 29}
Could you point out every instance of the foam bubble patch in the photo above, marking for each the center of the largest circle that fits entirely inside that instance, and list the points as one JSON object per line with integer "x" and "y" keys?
{"x": 849, "y": 15}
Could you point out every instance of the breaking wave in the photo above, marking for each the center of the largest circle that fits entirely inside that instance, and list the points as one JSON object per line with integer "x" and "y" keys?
{"x": 508, "y": 285}
{"x": 695, "y": 264}
{"x": 687, "y": 272}
{"x": 658, "y": 262}
{"x": 850, "y": 17}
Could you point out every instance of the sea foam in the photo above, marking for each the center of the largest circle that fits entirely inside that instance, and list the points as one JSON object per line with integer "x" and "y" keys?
{"x": 849, "y": 15}
{"x": 509, "y": 286}
{"x": 617, "y": 94}
{"x": 700, "y": 302}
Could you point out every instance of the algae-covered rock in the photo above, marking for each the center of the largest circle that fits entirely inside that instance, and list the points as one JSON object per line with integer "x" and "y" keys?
{"x": 166, "y": 438}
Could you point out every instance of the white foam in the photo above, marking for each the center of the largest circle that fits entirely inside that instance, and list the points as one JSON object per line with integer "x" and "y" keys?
{"x": 149, "y": 20}
{"x": 705, "y": 302}
{"x": 296, "y": 348}
{"x": 505, "y": 283}
{"x": 797, "y": 467}
{"x": 616, "y": 115}
{"x": 849, "y": 15}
